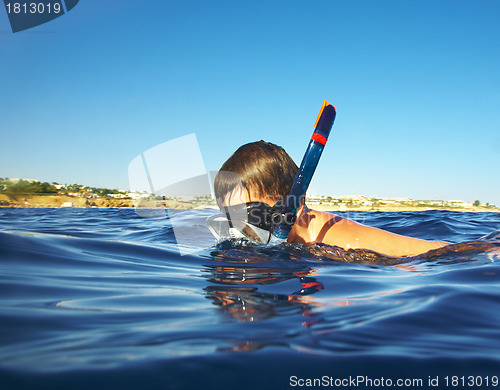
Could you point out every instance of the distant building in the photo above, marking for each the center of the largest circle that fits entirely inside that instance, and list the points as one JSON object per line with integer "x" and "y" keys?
{"x": 118, "y": 196}
{"x": 16, "y": 179}
{"x": 139, "y": 195}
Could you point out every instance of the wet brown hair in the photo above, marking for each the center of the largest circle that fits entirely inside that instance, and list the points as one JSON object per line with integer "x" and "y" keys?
{"x": 260, "y": 167}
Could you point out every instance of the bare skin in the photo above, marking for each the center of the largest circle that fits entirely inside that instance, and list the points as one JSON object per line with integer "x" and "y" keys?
{"x": 317, "y": 226}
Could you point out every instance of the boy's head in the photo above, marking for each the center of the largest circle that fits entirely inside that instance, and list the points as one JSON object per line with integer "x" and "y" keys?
{"x": 262, "y": 169}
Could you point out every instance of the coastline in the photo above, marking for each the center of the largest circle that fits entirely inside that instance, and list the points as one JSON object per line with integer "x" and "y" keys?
{"x": 402, "y": 208}
{"x": 61, "y": 201}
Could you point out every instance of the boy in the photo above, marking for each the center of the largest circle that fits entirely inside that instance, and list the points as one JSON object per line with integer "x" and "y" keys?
{"x": 263, "y": 172}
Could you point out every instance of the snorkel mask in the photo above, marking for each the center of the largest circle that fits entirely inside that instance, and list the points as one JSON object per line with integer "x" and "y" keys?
{"x": 253, "y": 221}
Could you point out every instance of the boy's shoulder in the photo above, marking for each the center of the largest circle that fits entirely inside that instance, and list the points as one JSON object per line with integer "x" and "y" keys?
{"x": 312, "y": 225}
{"x": 321, "y": 217}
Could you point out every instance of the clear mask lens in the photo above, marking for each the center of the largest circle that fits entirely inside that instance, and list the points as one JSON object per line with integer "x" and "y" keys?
{"x": 224, "y": 229}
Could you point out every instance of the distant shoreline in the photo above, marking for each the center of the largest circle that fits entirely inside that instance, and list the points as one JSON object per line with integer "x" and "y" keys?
{"x": 29, "y": 193}
{"x": 61, "y": 201}
{"x": 396, "y": 208}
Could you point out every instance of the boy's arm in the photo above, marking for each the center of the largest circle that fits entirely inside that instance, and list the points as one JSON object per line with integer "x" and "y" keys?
{"x": 349, "y": 234}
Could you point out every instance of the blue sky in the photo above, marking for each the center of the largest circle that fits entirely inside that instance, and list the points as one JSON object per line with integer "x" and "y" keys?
{"x": 416, "y": 85}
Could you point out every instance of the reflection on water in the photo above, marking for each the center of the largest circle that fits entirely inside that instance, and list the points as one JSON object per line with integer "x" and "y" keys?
{"x": 239, "y": 301}
{"x": 235, "y": 291}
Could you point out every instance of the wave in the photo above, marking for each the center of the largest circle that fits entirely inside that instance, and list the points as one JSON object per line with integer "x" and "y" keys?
{"x": 94, "y": 290}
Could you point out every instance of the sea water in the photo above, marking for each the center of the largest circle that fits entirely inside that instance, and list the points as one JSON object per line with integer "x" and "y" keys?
{"x": 102, "y": 298}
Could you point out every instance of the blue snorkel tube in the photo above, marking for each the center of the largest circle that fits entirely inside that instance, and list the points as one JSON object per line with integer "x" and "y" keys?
{"x": 322, "y": 128}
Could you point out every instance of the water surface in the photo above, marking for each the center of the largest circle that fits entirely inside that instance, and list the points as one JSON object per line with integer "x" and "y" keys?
{"x": 101, "y": 298}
